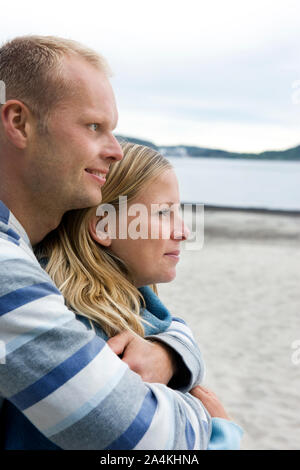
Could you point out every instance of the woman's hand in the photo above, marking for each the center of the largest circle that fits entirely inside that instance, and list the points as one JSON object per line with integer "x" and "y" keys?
{"x": 152, "y": 360}
{"x": 210, "y": 401}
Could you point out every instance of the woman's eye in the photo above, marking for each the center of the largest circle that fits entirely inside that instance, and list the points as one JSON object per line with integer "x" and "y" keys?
{"x": 164, "y": 212}
{"x": 94, "y": 126}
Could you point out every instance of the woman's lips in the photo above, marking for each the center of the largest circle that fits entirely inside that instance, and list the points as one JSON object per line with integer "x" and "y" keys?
{"x": 173, "y": 254}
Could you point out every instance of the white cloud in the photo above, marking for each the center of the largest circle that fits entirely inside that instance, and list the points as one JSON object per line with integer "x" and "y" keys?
{"x": 215, "y": 72}
{"x": 231, "y": 136}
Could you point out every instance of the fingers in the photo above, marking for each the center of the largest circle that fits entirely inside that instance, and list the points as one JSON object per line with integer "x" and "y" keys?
{"x": 210, "y": 401}
{"x": 200, "y": 388}
{"x": 200, "y": 391}
{"x": 119, "y": 342}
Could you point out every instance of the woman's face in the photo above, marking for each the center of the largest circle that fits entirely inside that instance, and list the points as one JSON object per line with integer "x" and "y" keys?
{"x": 155, "y": 213}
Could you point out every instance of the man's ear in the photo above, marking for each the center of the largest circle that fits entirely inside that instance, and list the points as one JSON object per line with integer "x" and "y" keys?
{"x": 16, "y": 121}
{"x": 98, "y": 228}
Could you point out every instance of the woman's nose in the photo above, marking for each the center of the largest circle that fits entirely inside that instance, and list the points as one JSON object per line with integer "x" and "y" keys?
{"x": 181, "y": 231}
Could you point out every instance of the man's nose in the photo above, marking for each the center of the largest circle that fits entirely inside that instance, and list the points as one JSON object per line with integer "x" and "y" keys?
{"x": 112, "y": 150}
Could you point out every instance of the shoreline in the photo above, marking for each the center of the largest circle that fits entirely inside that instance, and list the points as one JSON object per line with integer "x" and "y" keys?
{"x": 254, "y": 210}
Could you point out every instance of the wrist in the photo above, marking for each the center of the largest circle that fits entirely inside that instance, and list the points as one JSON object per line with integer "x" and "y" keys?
{"x": 170, "y": 354}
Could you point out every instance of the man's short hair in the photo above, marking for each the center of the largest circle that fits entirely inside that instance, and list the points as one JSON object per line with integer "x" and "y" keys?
{"x": 32, "y": 69}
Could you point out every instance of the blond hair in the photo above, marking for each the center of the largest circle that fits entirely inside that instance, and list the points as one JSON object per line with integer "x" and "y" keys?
{"x": 32, "y": 69}
{"x": 94, "y": 282}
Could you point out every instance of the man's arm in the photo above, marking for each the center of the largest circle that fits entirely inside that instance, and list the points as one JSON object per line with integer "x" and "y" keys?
{"x": 153, "y": 360}
{"x": 70, "y": 384}
{"x": 175, "y": 358}
{"x": 190, "y": 367}
{"x": 171, "y": 358}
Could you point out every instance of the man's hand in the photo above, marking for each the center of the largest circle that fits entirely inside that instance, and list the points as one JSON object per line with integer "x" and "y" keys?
{"x": 152, "y": 360}
{"x": 210, "y": 401}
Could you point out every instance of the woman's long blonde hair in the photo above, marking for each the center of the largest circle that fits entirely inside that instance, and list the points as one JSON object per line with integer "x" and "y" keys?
{"x": 94, "y": 282}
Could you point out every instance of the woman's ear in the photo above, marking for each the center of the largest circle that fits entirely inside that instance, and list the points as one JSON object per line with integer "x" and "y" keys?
{"x": 98, "y": 228}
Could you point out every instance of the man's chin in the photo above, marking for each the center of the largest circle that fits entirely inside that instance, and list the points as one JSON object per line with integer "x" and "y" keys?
{"x": 88, "y": 202}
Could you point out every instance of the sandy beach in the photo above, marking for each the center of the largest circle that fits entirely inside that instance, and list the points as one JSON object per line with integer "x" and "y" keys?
{"x": 240, "y": 295}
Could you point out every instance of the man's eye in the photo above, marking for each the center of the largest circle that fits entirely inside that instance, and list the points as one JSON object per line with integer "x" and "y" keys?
{"x": 94, "y": 126}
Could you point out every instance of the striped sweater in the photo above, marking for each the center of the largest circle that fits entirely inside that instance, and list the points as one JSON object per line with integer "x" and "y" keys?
{"x": 65, "y": 379}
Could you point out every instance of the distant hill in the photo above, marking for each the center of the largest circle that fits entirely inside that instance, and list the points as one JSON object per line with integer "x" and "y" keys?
{"x": 134, "y": 140}
{"x": 292, "y": 154}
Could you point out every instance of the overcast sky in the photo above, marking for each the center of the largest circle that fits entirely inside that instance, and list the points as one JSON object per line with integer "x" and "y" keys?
{"x": 214, "y": 73}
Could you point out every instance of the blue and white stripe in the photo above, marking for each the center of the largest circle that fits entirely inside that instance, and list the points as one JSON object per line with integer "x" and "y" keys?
{"x": 67, "y": 381}
{"x": 163, "y": 423}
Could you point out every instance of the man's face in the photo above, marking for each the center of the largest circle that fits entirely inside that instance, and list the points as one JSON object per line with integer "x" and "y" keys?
{"x": 66, "y": 167}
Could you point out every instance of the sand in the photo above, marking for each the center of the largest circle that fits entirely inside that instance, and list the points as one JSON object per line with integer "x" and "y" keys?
{"x": 240, "y": 295}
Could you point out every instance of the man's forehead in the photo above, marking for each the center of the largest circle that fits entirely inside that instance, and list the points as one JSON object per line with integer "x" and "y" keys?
{"x": 79, "y": 68}
{"x": 86, "y": 78}
{"x": 91, "y": 89}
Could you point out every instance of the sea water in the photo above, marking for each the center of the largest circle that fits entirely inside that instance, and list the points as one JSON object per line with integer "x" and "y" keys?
{"x": 239, "y": 183}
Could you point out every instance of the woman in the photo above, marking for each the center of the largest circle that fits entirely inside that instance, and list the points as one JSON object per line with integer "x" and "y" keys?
{"x": 81, "y": 253}
{"x": 104, "y": 261}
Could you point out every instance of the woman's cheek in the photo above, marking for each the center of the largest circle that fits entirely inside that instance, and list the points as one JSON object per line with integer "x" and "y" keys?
{"x": 154, "y": 229}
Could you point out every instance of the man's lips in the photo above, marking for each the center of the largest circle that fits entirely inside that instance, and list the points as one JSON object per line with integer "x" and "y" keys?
{"x": 98, "y": 175}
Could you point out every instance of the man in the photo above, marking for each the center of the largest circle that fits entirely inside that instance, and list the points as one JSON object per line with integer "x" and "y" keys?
{"x": 58, "y": 379}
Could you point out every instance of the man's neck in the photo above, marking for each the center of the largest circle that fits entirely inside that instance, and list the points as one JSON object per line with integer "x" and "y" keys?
{"x": 36, "y": 219}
